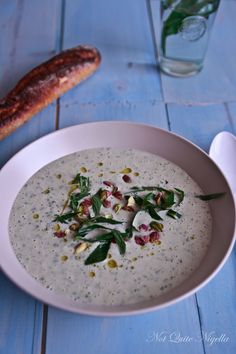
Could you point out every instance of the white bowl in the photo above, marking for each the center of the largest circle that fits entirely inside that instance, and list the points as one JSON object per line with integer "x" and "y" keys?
{"x": 124, "y": 135}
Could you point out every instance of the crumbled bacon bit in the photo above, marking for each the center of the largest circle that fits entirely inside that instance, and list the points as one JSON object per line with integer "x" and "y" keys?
{"x": 60, "y": 234}
{"x": 126, "y": 179}
{"x": 141, "y": 240}
{"x": 143, "y": 227}
{"x": 154, "y": 236}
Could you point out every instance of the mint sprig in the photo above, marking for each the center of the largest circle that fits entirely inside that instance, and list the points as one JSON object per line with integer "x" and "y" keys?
{"x": 184, "y": 9}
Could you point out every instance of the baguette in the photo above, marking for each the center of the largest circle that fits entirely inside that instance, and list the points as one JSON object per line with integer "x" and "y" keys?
{"x": 44, "y": 84}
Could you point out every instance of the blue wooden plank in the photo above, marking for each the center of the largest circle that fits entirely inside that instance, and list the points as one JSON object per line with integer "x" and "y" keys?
{"x": 8, "y": 25}
{"x": 218, "y": 310}
{"x": 29, "y": 35}
{"x": 199, "y": 123}
{"x": 217, "y": 300}
{"x": 118, "y": 91}
{"x": 120, "y": 30}
{"x": 174, "y": 331}
{"x": 217, "y": 81}
{"x": 154, "y": 114}
{"x": 41, "y": 124}
{"x": 25, "y": 44}
{"x": 18, "y": 320}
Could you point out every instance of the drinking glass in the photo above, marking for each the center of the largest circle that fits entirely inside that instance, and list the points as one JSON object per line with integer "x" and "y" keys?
{"x": 184, "y": 29}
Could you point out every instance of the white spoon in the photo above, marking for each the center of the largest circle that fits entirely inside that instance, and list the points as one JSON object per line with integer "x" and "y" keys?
{"x": 223, "y": 152}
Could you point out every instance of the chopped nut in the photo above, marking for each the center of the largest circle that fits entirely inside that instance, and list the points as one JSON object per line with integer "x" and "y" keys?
{"x": 108, "y": 183}
{"x": 141, "y": 240}
{"x": 126, "y": 179}
{"x": 131, "y": 201}
{"x": 128, "y": 208}
{"x": 83, "y": 169}
{"x": 80, "y": 247}
{"x": 117, "y": 194}
{"x": 143, "y": 227}
{"x": 104, "y": 194}
{"x": 156, "y": 226}
{"x": 117, "y": 208}
{"x": 59, "y": 234}
{"x": 57, "y": 227}
{"x": 154, "y": 236}
{"x": 74, "y": 227}
{"x": 106, "y": 203}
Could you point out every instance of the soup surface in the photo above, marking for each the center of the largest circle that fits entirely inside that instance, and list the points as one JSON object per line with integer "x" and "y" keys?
{"x": 159, "y": 249}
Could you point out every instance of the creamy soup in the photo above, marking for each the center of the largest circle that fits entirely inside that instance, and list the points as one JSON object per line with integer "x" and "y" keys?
{"x": 160, "y": 255}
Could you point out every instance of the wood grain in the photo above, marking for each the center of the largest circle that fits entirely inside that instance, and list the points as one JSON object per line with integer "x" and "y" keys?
{"x": 25, "y": 42}
{"x": 216, "y": 304}
{"x": 28, "y": 44}
{"x": 127, "y": 87}
{"x": 122, "y": 34}
{"x": 157, "y": 332}
{"x": 119, "y": 91}
{"x": 198, "y": 123}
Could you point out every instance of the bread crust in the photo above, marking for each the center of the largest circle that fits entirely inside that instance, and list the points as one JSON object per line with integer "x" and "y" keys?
{"x": 44, "y": 84}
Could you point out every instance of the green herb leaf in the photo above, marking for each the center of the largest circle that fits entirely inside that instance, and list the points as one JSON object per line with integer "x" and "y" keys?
{"x": 167, "y": 200}
{"x": 73, "y": 203}
{"x": 83, "y": 182}
{"x": 75, "y": 198}
{"x": 100, "y": 238}
{"x": 99, "y": 254}
{"x": 128, "y": 234}
{"x": 84, "y": 230}
{"x": 210, "y": 196}
{"x": 64, "y": 218}
{"x": 96, "y": 203}
{"x": 138, "y": 200}
{"x": 182, "y": 10}
{"x": 180, "y": 195}
{"x": 173, "y": 214}
{"x": 152, "y": 212}
{"x": 146, "y": 188}
{"x": 120, "y": 241}
{"x": 102, "y": 219}
{"x": 148, "y": 197}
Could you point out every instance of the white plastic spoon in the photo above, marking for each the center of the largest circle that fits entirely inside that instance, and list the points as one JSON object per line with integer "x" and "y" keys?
{"x": 223, "y": 152}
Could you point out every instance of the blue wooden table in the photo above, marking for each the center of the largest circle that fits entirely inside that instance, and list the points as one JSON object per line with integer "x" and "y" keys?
{"x": 128, "y": 86}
